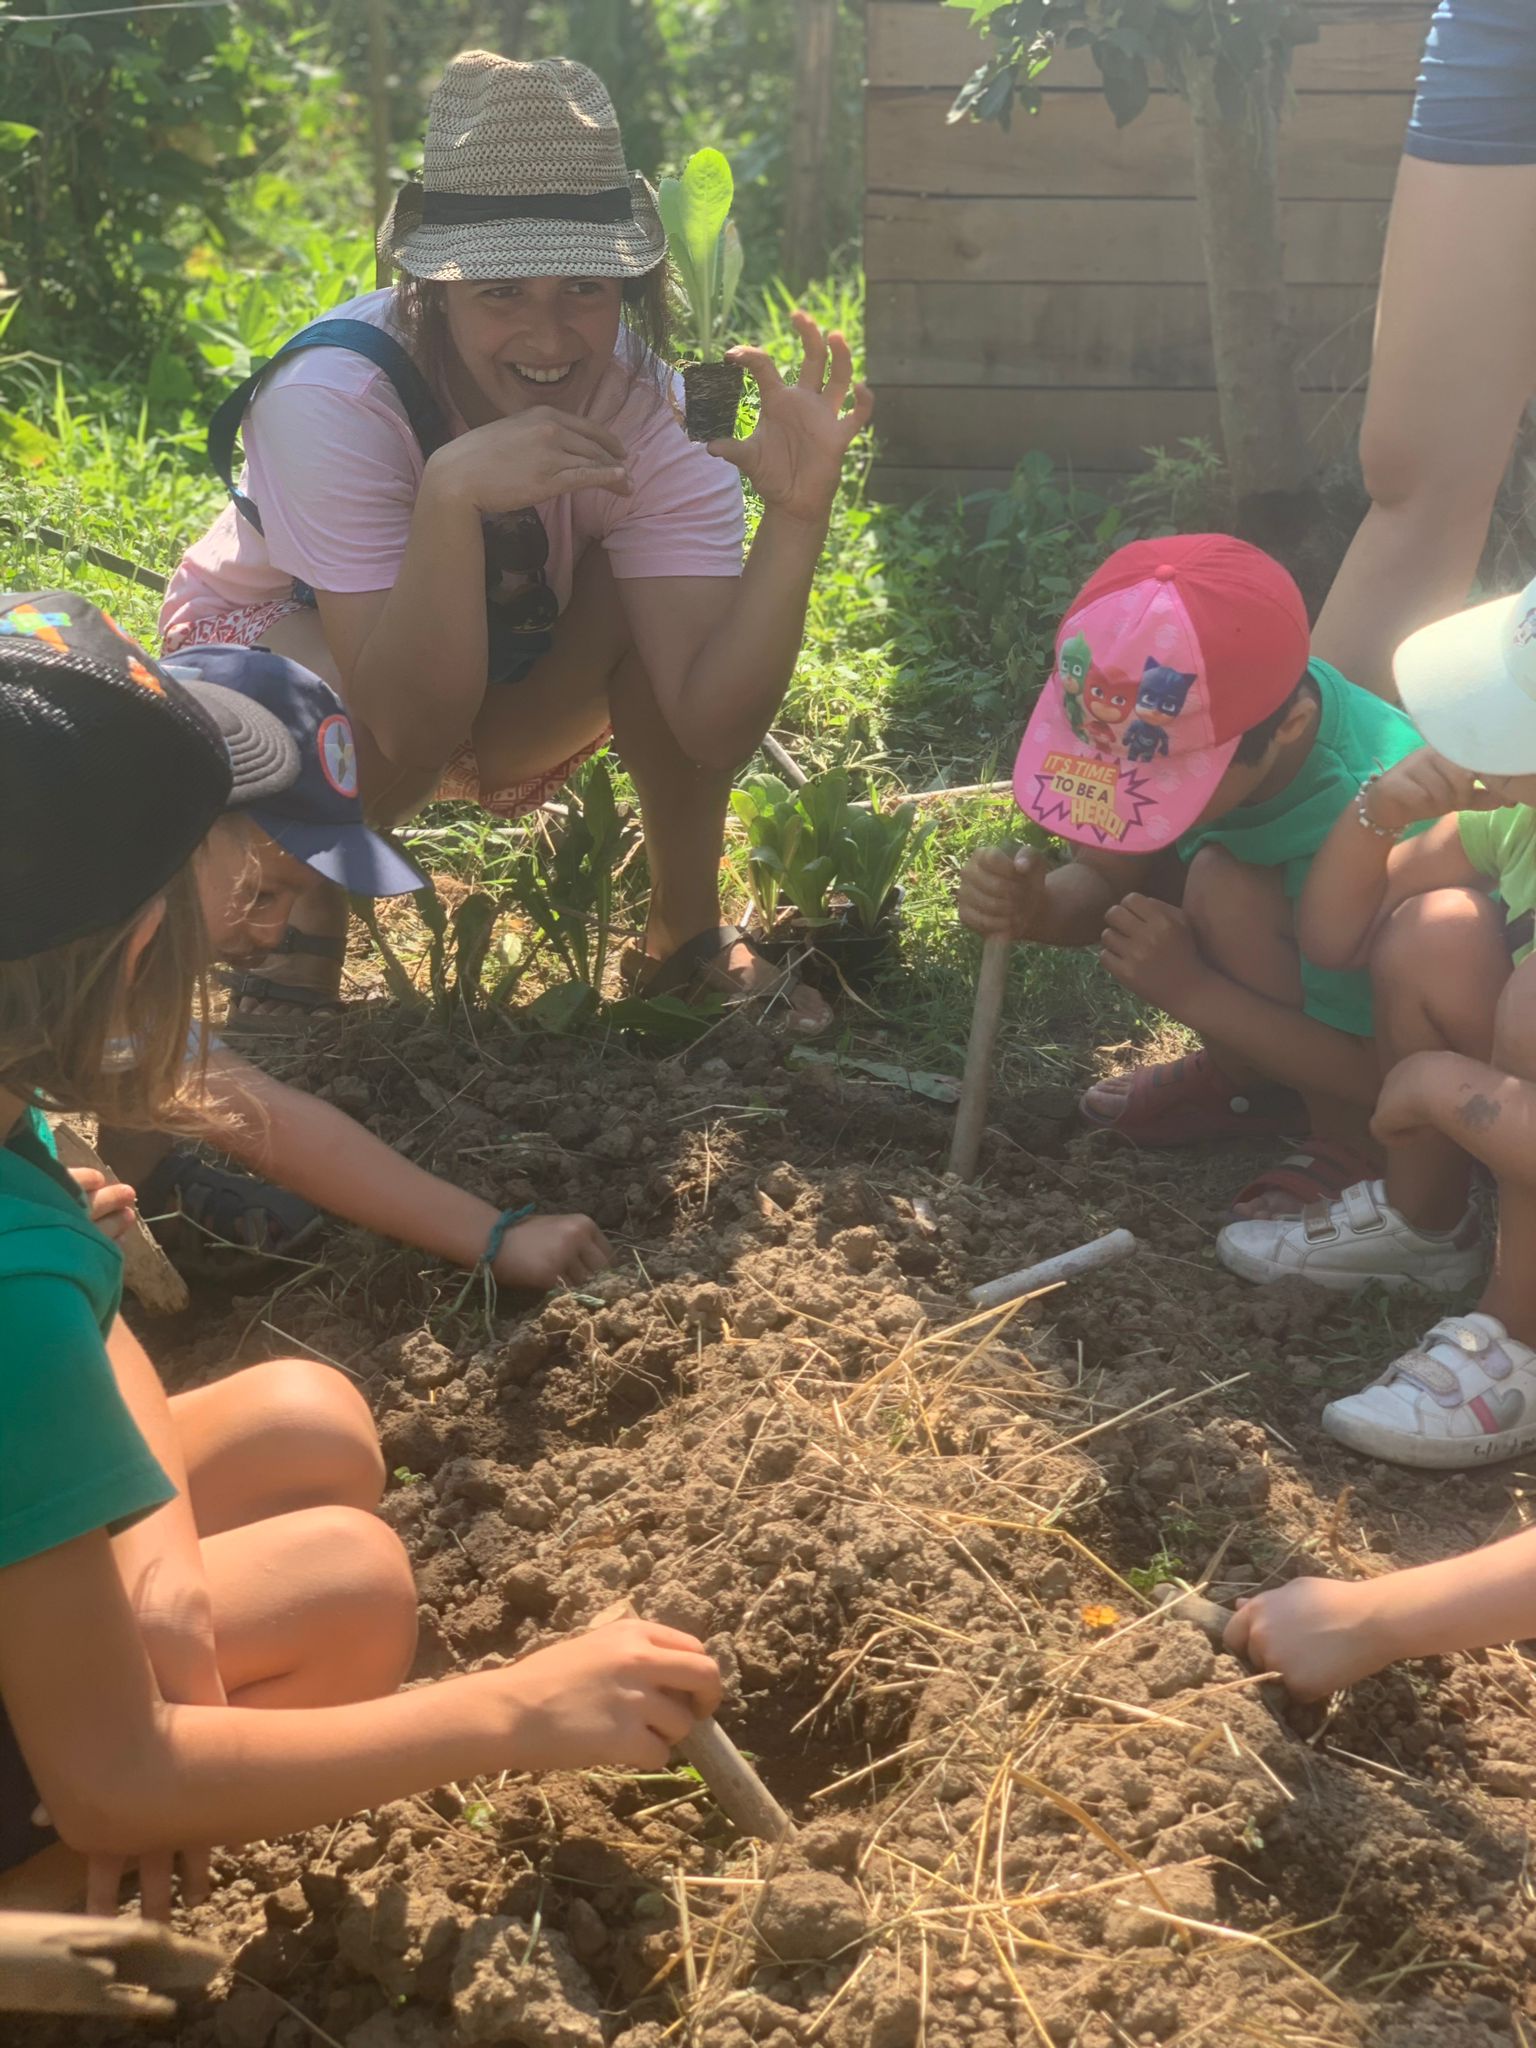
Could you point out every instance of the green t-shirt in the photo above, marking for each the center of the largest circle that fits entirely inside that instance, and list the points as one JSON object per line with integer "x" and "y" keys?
{"x": 71, "y": 1456}
{"x": 1356, "y": 734}
{"x": 1502, "y": 846}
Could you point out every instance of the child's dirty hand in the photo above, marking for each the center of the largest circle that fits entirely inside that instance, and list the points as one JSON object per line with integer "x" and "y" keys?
{"x": 1318, "y": 1634}
{"x": 1003, "y": 895}
{"x": 1425, "y": 785}
{"x": 111, "y": 1203}
{"x": 547, "y": 1250}
{"x": 622, "y": 1695}
{"x": 1148, "y": 947}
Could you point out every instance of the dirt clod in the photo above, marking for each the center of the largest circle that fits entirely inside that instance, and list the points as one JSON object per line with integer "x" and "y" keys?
{"x": 806, "y": 1915}
{"x": 545, "y": 2001}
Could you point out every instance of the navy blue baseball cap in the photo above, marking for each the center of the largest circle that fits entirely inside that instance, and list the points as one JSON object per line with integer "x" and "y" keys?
{"x": 318, "y": 815}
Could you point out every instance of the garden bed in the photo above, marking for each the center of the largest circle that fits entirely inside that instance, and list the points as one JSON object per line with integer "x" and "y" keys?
{"x": 922, "y": 1550}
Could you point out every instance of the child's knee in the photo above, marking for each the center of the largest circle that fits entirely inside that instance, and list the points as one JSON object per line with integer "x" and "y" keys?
{"x": 1223, "y": 895}
{"x": 327, "y": 1428}
{"x": 369, "y": 1620}
{"x": 1448, "y": 932}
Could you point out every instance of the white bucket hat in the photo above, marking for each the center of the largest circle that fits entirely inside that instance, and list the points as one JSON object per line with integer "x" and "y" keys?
{"x": 523, "y": 175}
{"x": 1469, "y": 685}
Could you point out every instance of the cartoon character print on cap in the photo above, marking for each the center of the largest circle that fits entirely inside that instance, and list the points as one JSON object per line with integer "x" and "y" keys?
{"x": 1110, "y": 704}
{"x": 141, "y": 675}
{"x": 1073, "y": 666}
{"x": 1158, "y": 703}
{"x": 338, "y": 753}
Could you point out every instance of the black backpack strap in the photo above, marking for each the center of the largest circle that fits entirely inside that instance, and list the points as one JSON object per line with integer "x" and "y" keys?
{"x": 411, "y": 388}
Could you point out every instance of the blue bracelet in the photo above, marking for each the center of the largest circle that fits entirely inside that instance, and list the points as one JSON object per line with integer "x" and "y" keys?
{"x": 499, "y": 1229}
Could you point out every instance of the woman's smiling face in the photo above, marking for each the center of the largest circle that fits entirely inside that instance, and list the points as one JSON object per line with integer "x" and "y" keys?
{"x": 525, "y": 341}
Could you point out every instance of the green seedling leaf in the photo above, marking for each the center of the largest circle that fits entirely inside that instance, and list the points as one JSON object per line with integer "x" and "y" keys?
{"x": 474, "y": 923}
{"x": 667, "y": 1020}
{"x": 564, "y": 1008}
{"x": 935, "y": 1087}
{"x": 404, "y": 1476}
{"x": 479, "y": 1813}
{"x": 732, "y": 258}
{"x": 14, "y": 137}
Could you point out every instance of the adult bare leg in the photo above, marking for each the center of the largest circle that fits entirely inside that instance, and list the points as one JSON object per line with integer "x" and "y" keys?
{"x": 1454, "y": 364}
{"x": 1438, "y": 968}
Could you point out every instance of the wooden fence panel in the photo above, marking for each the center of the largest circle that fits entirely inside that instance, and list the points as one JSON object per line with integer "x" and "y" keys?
{"x": 1044, "y": 287}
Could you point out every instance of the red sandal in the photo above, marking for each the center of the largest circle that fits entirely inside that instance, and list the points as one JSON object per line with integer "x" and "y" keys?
{"x": 1318, "y": 1171}
{"x": 1185, "y": 1101}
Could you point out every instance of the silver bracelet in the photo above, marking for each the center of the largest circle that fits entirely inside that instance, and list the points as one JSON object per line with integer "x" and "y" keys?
{"x": 1364, "y": 815}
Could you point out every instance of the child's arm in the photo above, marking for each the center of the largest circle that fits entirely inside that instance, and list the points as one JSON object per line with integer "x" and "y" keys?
{"x": 121, "y": 1773}
{"x": 1359, "y": 876}
{"x": 1021, "y": 895}
{"x": 1320, "y": 1634}
{"x": 319, "y": 1152}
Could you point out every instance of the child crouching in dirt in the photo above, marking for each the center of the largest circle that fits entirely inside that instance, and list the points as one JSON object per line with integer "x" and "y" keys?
{"x": 1456, "y": 1018}
{"x": 1198, "y": 758}
{"x": 169, "y": 1567}
{"x": 297, "y": 815}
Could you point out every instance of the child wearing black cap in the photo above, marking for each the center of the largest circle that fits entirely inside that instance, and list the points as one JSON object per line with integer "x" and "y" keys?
{"x": 295, "y": 813}
{"x": 168, "y": 1565}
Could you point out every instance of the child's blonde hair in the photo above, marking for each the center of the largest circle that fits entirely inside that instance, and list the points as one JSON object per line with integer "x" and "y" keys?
{"x": 79, "y": 1034}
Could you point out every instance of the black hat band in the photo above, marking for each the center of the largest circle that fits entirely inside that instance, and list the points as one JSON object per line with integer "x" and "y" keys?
{"x": 460, "y": 209}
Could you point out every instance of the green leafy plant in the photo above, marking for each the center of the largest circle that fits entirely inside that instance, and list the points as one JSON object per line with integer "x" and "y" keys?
{"x": 876, "y": 847}
{"x": 793, "y": 836}
{"x": 704, "y": 245}
{"x": 458, "y": 950}
{"x": 564, "y": 883}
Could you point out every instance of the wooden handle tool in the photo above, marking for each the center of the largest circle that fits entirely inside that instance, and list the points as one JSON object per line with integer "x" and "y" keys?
{"x": 736, "y": 1788}
{"x": 156, "y": 1284}
{"x": 1207, "y": 1616}
{"x": 971, "y": 1115}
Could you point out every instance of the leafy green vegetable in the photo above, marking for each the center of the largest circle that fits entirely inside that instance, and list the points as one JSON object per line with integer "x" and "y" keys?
{"x": 876, "y": 846}
{"x": 704, "y": 245}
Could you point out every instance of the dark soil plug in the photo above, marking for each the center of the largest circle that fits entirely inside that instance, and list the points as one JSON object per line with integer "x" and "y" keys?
{"x": 712, "y": 397}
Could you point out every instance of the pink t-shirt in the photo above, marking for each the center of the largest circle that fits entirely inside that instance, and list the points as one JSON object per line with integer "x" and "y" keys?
{"x": 334, "y": 468}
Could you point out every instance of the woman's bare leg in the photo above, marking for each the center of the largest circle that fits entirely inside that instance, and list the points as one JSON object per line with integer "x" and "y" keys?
{"x": 1454, "y": 366}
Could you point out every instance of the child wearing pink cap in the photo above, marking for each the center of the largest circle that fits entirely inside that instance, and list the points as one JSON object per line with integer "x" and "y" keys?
{"x": 1457, "y": 1042}
{"x": 1196, "y": 758}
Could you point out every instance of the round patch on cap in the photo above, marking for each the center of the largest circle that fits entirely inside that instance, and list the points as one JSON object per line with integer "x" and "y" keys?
{"x": 338, "y": 754}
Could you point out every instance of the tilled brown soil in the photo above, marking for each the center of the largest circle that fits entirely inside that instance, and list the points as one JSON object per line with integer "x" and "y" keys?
{"x": 1032, "y": 1810}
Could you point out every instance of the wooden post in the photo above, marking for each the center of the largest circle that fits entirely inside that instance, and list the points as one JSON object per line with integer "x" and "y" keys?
{"x": 804, "y": 253}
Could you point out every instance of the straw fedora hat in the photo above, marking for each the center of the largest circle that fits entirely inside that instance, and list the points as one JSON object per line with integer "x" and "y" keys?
{"x": 523, "y": 175}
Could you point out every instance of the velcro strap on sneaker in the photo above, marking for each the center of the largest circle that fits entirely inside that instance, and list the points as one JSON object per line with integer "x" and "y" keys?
{"x": 1437, "y": 1380}
{"x": 1361, "y": 1211}
{"x": 1317, "y": 1223}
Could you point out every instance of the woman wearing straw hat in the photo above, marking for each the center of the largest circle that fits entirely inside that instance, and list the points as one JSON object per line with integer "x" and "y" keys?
{"x": 469, "y": 503}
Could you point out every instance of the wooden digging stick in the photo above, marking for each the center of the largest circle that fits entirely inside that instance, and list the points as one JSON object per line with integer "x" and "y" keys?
{"x": 1083, "y": 1258}
{"x": 69, "y": 1962}
{"x": 971, "y": 1116}
{"x": 155, "y": 1282}
{"x": 736, "y": 1788}
{"x": 1207, "y": 1616}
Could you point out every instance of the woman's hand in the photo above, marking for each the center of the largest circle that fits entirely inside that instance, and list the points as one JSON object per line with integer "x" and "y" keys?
{"x": 534, "y": 456}
{"x": 794, "y": 457}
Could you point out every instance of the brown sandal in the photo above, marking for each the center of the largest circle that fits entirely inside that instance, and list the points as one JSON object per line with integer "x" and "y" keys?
{"x": 695, "y": 969}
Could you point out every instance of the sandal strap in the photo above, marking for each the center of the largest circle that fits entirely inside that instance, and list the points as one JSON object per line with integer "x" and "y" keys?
{"x": 322, "y": 948}
{"x": 682, "y": 967}
{"x": 261, "y": 988}
{"x": 226, "y": 1204}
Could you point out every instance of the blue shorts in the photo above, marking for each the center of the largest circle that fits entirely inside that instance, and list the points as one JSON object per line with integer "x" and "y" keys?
{"x": 1476, "y": 101}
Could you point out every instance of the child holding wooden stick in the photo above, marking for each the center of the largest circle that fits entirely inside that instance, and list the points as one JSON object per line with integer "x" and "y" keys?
{"x": 202, "y": 1623}
{"x": 1196, "y": 758}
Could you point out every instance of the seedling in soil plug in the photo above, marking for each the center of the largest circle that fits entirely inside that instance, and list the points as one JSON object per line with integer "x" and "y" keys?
{"x": 877, "y": 845}
{"x": 706, "y": 253}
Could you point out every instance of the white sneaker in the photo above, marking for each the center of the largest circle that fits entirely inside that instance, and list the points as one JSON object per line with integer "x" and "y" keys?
{"x": 1348, "y": 1243}
{"x": 1466, "y": 1396}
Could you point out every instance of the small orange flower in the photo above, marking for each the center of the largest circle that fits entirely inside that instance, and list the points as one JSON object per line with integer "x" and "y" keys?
{"x": 1100, "y": 1617}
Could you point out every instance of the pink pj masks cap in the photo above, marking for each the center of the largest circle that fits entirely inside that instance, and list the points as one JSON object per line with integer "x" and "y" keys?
{"x": 1168, "y": 655}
